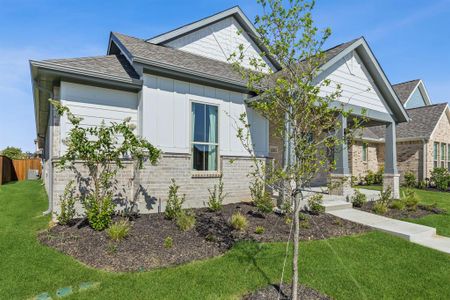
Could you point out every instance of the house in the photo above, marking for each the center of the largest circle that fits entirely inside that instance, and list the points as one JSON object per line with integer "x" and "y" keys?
{"x": 422, "y": 144}
{"x": 184, "y": 97}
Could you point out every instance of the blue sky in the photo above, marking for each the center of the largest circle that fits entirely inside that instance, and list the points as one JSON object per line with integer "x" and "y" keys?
{"x": 409, "y": 38}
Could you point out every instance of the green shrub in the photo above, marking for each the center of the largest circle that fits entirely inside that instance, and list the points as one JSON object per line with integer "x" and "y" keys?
{"x": 174, "y": 202}
{"x": 440, "y": 178}
{"x": 379, "y": 208}
{"x": 99, "y": 211}
{"x": 168, "y": 242}
{"x": 358, "y": 199}
{"x": 305, "y": 224}
{"x": 261, "y": 198}
{"x": 355, "y": 181}
{"x": 216, "y": 197}
{"x": 410, "y": 199}
{"x": 238, "y": 221}
{"x": 378, "y": 178}
{"x": 370, "y": 178}
{"x": 315, "y": 204}
{"x": 386, "y": 197}
{"x": 118, "y": 230}
{"x": 410, "y": 179}
{"x": 398, "y": 204}
{"x": 186, "y": 220}
{"x": 421, "y": 184}
{"x": 259, "y": 230}
{"x": 67, "y": 204}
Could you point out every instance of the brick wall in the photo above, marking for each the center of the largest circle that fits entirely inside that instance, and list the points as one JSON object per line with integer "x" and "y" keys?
{"x": 375, "y": 158}
{"x": 441, "y": 135}
{"x": 410, "y": 159}
{"x": 151, "y": 184}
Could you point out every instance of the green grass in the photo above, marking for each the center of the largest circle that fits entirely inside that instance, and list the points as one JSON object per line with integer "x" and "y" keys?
{"x": 442, "y": 221}
{"x": 372, "y": 266}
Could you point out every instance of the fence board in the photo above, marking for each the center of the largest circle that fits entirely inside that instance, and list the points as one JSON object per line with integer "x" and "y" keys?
{"x": 7, "y": 172}
{"x": 21, "y": 167}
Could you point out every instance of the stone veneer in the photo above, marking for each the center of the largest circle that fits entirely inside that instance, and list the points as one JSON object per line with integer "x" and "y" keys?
{"x": 151, "y": 185}
{"x": 441, "y": 134}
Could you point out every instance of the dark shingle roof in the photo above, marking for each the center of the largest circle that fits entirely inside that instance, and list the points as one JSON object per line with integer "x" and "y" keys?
{"x": 404, "y": 89}
{"x": 423, "y": 121}
{"x": 179, "y": 59}
{"x": 115, "y": 65}
{"x": 334, "y": 51}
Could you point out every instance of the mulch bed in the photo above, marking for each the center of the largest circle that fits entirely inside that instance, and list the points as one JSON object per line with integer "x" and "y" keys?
{"x": 212, "y": 235}
{"x": 273, "y": 291}
{"x": 421, "y": 211}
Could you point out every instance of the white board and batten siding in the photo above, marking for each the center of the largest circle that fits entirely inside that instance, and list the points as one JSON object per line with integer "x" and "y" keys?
{"x": 357, "y": 86}
{"x": 166, "y": 111}
{"x": 218, "y": 41}
{"x": 96, "y": 104}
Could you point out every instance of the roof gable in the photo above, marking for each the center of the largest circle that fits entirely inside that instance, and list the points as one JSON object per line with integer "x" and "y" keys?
{"x": 412, "y": 93}
{"x": 217, "y": 37}
{"x": 373, "y": 68}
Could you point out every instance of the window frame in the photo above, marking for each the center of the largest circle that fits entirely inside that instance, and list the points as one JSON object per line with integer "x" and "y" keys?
{"x": 443, "y": 154}
{"x": 192, "y": 142}
{"x": 365, "y": 152}
{"x": 436, "y": 155}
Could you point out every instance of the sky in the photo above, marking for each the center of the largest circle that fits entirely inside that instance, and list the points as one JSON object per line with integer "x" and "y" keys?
{"x": 409, "y": 38}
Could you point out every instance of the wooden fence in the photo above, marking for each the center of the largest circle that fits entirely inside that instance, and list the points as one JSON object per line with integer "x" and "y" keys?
{"x": 17, "y": 169}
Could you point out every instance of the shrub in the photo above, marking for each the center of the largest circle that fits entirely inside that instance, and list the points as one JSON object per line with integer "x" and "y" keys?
{"x": 410, "y": 199}
{"x": 168, "y": 242}
{"x": 99, "y": 212}
{"x": 355, "y": 181}
{"x": 441, "y": 178}
{"x": 358, "y": 199}
{"x": 260, "y": 197}
{"x": 379, "y": 208}
{"x": 378, "y": 178}
{"x": 67, "y": 204}
{"x": 421, "y": 184}
{"x": 174, "y": 202}
{"x": 216, "y": 197}
{"x": 370, "y": 178}
{"x": 398, "y": 204}
{"x": 186, "y": 220}
{"x": 259, "y": 230}
{"x": 239, "y": 221}
{"x": 315, "y": 204}
{"x": 118, "y": 230}
{"x": 305, "y": 224}
{"x": 410, "y": 179}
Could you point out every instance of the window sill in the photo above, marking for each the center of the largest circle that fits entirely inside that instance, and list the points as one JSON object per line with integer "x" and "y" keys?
{"x": 206, "y": 174}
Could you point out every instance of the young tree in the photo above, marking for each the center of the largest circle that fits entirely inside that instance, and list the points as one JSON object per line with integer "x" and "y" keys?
{"x": 300, "y": 113}
{"x": 102, "y": 149}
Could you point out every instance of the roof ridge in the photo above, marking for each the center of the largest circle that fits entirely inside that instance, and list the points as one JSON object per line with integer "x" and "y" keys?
{"x": 81, "y": 57}
{"x": 405, "y": 82}
{"x": 341, "y": 44}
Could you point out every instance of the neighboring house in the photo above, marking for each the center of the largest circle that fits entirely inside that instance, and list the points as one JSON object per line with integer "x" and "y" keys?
{"x": 422, "y": 144}
{"x": 185, "y": 98}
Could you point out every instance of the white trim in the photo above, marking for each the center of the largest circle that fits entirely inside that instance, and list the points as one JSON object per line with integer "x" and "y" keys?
{"x": 423, "y": 93}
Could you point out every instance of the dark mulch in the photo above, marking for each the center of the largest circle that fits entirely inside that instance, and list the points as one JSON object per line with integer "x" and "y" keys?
{"x": 144, "y": 249}
{"x": 272, "y": 291}
{"x": 421, "y": 211}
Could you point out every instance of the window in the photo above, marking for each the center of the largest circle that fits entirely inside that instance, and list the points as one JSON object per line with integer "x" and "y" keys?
{"x": 435, "y": 155}
{"x": 443, "y": 153}
{"x": 204, "y": 137}
{"x": 365, "y": 152}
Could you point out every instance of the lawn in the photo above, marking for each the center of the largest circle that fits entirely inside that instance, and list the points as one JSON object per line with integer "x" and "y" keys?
{"x": 371, "y": 266}
{"x": 442, "y": 199}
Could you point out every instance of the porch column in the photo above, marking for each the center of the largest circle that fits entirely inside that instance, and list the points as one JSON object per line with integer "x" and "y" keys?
{"x": 340, "y": 179}
{"x": 391, "y": 176}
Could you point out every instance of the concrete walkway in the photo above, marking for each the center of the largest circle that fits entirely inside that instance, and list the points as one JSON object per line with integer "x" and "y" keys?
{"x": 419, "y": 234}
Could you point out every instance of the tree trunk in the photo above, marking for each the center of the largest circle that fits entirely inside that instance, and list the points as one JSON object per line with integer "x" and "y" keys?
{"x": 296, "y": 247}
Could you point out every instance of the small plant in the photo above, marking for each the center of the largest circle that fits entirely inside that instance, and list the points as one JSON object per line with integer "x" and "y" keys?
{"x": 174, "y": 202}
{"x": 421, "y": 184}
{"x": 259, "y": 230}
{"x": 216, "y": 197}
{"x": 410, "y": 179}
{"x": 305, "y": 224}
{"x": 315, "y": 204}
{"x": 186, "y": 220}
{"x": 441, "y": 178}
{"x": 168, "y": 242}
{"x": 238, "y": 221}
{"x": 261, "y": 198}
{"x": 358, "y": 199}
{"x": 67, "y": 204}
{"x": 370, "y": 178}
{"x": 379, "y": 208}
{"x": 99, "y": 212}
{"x": 111, "y": 248}
{"x": 338, "y": 222}
{"x": 118, "y": 230}
{"x": 398, "y": 204}
{"x": 410, "y": 199}
{"x": 378, "y": 178}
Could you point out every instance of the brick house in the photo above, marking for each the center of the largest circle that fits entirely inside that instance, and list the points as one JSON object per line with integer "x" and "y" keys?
{"x": 185, "y": 97}
{"x": 422, "y": 144}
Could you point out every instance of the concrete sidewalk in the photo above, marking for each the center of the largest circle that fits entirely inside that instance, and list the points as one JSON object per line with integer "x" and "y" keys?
{"x": 419, "y": 234}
